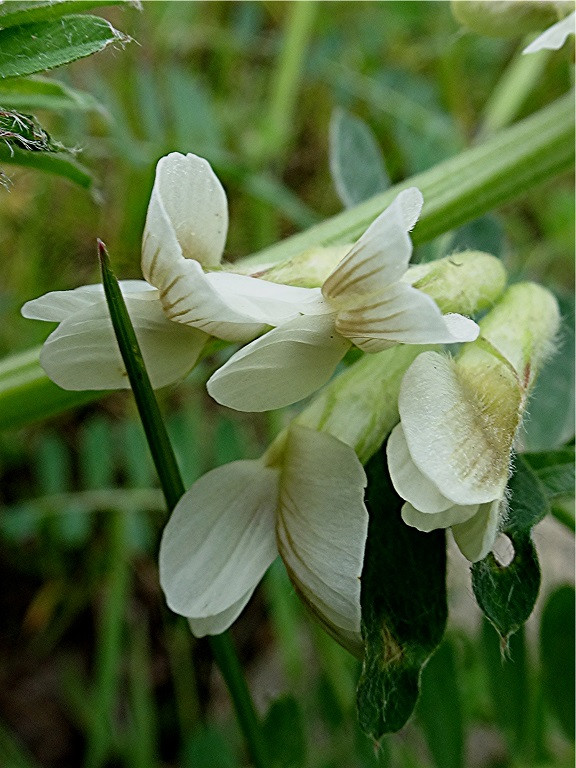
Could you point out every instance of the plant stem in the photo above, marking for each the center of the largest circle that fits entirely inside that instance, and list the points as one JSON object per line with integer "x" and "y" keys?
{"x": 279, "y": 121}
{"x": 173, "y": 488}
{"x": 100, "y": 735}
{"x": 460, "y": 189}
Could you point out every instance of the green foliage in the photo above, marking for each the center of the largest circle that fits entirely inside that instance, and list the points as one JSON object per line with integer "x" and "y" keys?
{"x": 356, "y": 161}
{"x": 284, "y": 731}
{"x": 404, "y": 607}
{"x": 41, "y": 93}
{"x": 557, "y": 656}
{"x": 507, "y": 593}
{"x": 31, "y": 48}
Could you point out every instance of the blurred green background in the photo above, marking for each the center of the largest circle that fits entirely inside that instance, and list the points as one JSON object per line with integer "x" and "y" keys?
{"x": 94, "y": 670}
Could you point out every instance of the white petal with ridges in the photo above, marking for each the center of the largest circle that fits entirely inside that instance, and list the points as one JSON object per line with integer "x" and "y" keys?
{"x": 56, "y": 306}
{"x": 220, "y": 540}
{"x": 447, "y": 436}
{"x": 554, "y": 37}
{"x": 476, "y": 537}
{"x": 401, "y": 314}
{"x": 381, "y": 255}
{"x": 83, "y": 354}
{"x": 187, "y": 217}
{"x": 322, "y": 528}
{"x": 426, "y": 522}
{"x": 407, "y": 479}
{"x": 280, "y": 368}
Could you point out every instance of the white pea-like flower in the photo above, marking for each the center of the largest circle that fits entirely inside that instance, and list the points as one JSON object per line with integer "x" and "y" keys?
{"x": 179, "y": 306}
{"x": 451, "y": 454}
{"x": 304, "y": 500}
{"x": 366, "y": 301}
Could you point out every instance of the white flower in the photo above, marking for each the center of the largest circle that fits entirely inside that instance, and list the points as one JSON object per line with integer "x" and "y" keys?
{"x": 82, "y": 353}
{"x": 304, "y": 499}
{"x": 445, "y": 459}
{"x": 450, "y": 456}
{"x": 554, "y": 37}
{"x": 185, "y": 232}
{"x": 365, "y": 301}
{"x": 185, "y": 229}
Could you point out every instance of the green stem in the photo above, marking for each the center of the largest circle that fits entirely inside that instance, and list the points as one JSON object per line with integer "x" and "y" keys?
{"x": 460, "y": 189}
{"x": 100, "y": 736}
{"x": 173, "y": 488}
{"x": 278, "y": 124}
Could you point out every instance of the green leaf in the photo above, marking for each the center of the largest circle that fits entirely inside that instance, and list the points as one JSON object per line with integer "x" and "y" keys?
{"x": 33, "y": 93}
{"x": 440, "y": 709}
{"x": 56, "y": 163}
{"x": 404, "y": 609}
{"x": 508, "y": 683}
{"x": 32, "y": 48}
{"x": 283, "y": 729}
{"x": 356, "y": 162}
{"x": 551, "y": 422}
{"x": 507, "y": 593}
{"x": 554, "y": 469}
{"x": 557, "y": 656}
{"x": 18, "y": 12}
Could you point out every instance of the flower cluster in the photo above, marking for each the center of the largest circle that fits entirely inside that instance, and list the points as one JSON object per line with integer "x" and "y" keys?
{"x": 451, "y": 421}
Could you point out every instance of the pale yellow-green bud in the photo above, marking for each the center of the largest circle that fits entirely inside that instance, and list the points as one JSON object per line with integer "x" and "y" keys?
{"x": 466, "y": 282}
{"x": 308, "y": 269}
{"x": 508, "y": 18}
{"x": 500, "y": 367}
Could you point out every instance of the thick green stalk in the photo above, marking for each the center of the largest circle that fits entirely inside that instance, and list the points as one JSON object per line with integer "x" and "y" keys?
{"x": 503, "y": 168}
{"x": 173, "y": 488}
{"x": 460, "y": 189}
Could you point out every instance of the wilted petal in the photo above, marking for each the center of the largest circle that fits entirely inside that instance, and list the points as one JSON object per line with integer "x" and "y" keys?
{"x": 407, "y": 479}
{"x": 322, "y": 528}
{"x": 83, "y": 354}
{"x": 187, "y": 217}
{"x": 476, "y": 536}
{"x": 381, "y": 255}
{"x": 426, "y": 522}
{"x": 402, "y": 314}
{"x": 283, "y": 366}
{"x": 448, "y": 438}
{"x": 214, "y": 625}
{"x": 554, "y": 37}
{"x": 219, "y": 542}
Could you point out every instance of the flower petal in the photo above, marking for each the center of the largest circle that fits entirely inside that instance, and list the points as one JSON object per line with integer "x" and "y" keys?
{"x": 219, "y": 542}
{"x": 187, "y": 217}
{"x": 407, "y": 479}
{"x": 82, "y": 353}
{"x": 426, "y": 522}
{"x": 219, "y": 622}
{"x": 476, "y": 536}
{"x": 227, "y": 305}
{"x": 56, "y": 306}
{"x": 322, "y": 527}
{"x": 380, "y": 257}
{"x": 281, "y": 367}
{"x": 554, "y": 37}
{"x": 448, "y": 438}
{"x": 402, "y": 314}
